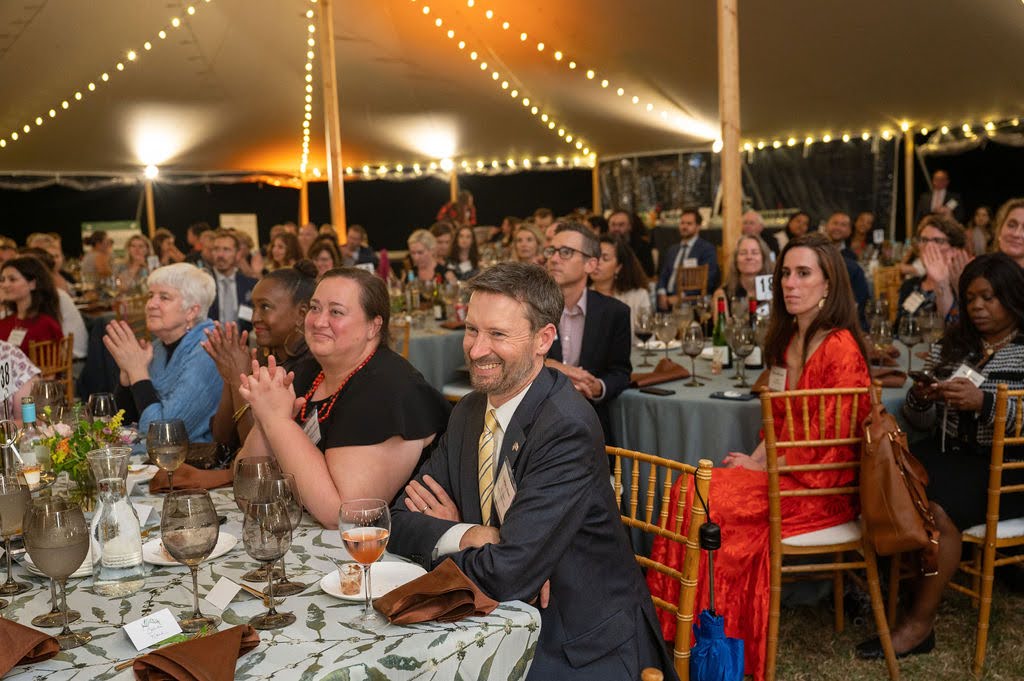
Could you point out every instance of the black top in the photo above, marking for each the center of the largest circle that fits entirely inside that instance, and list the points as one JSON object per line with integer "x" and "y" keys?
{"x": 387, "y": 397}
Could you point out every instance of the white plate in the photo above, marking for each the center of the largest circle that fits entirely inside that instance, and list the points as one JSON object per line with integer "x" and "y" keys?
{"x": 655, "y": 344}
{"x": 707, "y": 353}
{"x": 140, "y": 474}
{"x": 385, "y": 576}
{"x": 84, "y": 570}
{"x": 153, "y": 551}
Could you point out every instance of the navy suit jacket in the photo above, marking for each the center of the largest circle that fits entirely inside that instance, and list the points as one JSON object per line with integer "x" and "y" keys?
{"x": 243, "y": 287}
{"x": 924, "y": 206}
{"x": 563, "y": 525}
{"x": 704, "y": 251}
{"x": 605, "y": 349}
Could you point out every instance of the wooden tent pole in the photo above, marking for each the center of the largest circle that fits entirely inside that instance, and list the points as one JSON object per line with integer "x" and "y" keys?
{"x": 595, "y": 182}
{"x": 453, "y": 185}
{"x": 150, "y": 210}
{"x": 908, "y": 183}
{"x": 332, "y": 119}
{"x": 729, "y": 111}
{"x": 303, "y": 200}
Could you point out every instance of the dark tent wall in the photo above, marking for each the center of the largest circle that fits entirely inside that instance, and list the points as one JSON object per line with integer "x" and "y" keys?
{"x": 388, "y": 209}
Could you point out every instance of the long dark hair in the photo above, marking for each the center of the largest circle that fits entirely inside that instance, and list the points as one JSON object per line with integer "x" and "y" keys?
{"x": 631, "y": 274}
{"x": 292, "y": 250}
{"x": 44, "y": 296}
{"x": 474, "y": 254}
{"x": 839, "y": 310}
{"x": 962, "y": 339}
{"x": 794, "y": 216}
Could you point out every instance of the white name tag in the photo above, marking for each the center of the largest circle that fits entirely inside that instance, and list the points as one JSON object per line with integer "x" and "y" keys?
{"x": 763, "y": 284}
{"x": 222, "y": 593}
{"x": 312, "y": 428}
{"x": 244, "y": 313}
{"x": 152, "y": 262}
{"x": 465, "y": 266}
{"x": 17, "y": 336}
{"x": 368, "y": 266}
{"x": 913, "y": 302}
{"x": 504, "y": 491}
{"x": 689, "y": 262}
{"x": 152, "y": 629}
{"x": 777, "y": 379}
{"x": 964, "y": 371}
{"x": 878, "y": 236}
{"x": 952, "y": 204}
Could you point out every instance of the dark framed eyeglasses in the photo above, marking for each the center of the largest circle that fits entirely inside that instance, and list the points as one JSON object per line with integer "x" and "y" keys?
{"x": 938, "y": 241}
{"x": 565, "y": 252}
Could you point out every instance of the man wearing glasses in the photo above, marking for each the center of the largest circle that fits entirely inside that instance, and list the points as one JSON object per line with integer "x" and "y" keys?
{"x": 592, "y": 348}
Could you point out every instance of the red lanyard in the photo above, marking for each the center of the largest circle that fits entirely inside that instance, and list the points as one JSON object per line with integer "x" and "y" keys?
{"x": 321, "y": 417}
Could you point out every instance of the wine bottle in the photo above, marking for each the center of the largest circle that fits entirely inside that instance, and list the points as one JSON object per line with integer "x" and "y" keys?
{"x": 753, "y": 360}
{"x": 31, "y": 447}
{"x": 438, "y": 300}
{"x": 721, "y": 355}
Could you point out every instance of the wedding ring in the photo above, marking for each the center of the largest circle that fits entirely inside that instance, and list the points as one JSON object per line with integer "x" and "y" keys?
{"x": 424, "y": 509}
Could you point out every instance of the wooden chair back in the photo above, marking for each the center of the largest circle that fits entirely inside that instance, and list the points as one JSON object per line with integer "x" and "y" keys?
{"x": 652, "y": 516}
{"x": 888, "y": 281}
{"x": 132, "y": 309}
{"x": 690, "y": 279}
{"x": 54, "y": 359}
{"x": 400, "y": 334}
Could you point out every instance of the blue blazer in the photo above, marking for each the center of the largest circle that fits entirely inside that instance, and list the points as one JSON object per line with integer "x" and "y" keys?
{"x": 563, "y": 525}
{"x": 705, "y": 253}
{"x": 243, "y": 288}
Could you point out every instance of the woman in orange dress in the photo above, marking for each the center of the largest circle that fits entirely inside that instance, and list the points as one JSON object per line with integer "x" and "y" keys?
{"x": 814, "y": 338}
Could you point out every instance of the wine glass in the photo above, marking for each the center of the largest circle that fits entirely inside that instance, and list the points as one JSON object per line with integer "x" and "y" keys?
{"x": 881, "y": 340}
{"x": 665, "y": 330}
{"x": 744, "y": 342}
{"x": 760, "y": 332}
{"x": 693, "y": 345}
{"x": 101, "y": 406}
{"x": 14, "y": 501}
{"x": 267, "y": 536}
{"x": 167, "y": 444}
{"x": 48, "y": 393}
{"x": 53, "y": 618}
{"x": 643, "y": 327}
{"x": 931, "y": 327}
{"x": 249, "y": 473}
{"x": 731, "y": 325}
{"x": 877, "y": 309}
{"x": 189, "y": 529}
{"x": 284, "y": 489}
{"x": 683, "y": 320}
{"x": 703, "y": 307}
{"x": 365, "y": 525}
{"x": 57, "y": 540}
{"x": 909, "y": 335}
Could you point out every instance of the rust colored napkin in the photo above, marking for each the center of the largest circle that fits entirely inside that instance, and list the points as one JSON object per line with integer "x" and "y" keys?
{"x": 666, "y": 370}
{"x": 210, "y": 658}
{"x": 452, "y": 324}
{"x": 23, "y": 645}
{"x": 445, "y": 594}
{"x": 190, "y": 476}
{"x": 888, "y": 377}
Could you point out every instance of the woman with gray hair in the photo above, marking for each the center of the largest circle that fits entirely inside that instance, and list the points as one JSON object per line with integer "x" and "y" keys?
{"x": 171, "y": 377}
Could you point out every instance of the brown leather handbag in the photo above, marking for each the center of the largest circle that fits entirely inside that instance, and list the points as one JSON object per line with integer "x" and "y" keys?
{"x": 893, "y": 502}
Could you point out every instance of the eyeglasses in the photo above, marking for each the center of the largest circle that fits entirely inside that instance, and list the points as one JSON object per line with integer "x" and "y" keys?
{"x": 938, "y": 241}
{"x": 565, "y": 252}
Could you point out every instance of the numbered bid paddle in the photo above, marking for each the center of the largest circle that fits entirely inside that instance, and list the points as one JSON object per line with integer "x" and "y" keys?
{"x": 5, "y": 385}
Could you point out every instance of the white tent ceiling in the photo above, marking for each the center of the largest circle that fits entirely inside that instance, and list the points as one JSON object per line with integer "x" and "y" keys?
{"x": 224, "y": 91}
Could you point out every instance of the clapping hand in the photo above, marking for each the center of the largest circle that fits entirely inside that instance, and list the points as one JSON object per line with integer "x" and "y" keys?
{"x": 229, "y": 350}
{"x": 269, "y": 392}
{"x": 132, "y": 355}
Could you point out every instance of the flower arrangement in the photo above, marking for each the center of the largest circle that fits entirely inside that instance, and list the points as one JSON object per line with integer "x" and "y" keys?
{"x": 68, "y": 444}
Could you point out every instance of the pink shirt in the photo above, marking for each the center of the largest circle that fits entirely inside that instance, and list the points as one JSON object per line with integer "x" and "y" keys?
{"x": 570, "y": 331}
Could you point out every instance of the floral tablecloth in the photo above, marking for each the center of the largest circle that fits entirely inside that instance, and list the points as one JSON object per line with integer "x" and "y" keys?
{"x": 320, "y": 645}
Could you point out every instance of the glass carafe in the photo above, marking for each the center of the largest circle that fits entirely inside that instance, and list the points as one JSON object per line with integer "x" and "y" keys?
{"x": 117, "y": 566}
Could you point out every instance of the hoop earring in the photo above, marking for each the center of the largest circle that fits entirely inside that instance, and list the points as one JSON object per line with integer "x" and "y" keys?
{"x": 288, "y": 343}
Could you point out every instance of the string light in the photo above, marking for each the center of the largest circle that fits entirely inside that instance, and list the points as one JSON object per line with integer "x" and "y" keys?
{"x": 129, "y": 57}
{"x": 308, "y": 91}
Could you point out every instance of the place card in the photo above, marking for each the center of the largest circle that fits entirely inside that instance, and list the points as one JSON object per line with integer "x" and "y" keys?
{"x": 222, "y": 593}
{"x": 6, "y": 376}
{"x": 763, "y": 283}
{"x": 152, "y": 629}
{"x": 144, "y": 511}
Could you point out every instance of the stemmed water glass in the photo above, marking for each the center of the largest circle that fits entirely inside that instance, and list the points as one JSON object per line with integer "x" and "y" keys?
{"x": 693, "y": 345}
{"x": 167, "y": 444}
{"x": 760, "y": 333}
{"x": 665, "y": 330}
{"x": 54, "y": 618}
{"x": 284, "y": 489}
{"x": 703, "y": 307}
{"x": 189, "y": 529}
{"x": 101, "y": 406}
{"x": 683, "y": 320}
{"x": 731, "y": 326}
{"x": 744, "y": 342}
{"x": 57, "y": 541}
{"x": 931, "y": 327}
{"x": 365, "y": 526}
{"x": 249, "y": 474}
{"x": 881, "y": 340}
{"x": 910, "y": 335}
{"x": 14, "y": 501}
{"x": 48, "y": 393}
{"x": 643, "y": 327}
{"x": 267, "y": 536}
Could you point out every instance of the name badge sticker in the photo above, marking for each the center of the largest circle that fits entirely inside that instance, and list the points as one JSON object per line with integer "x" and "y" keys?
{"x": 312, "y": 428}
{"x": 152, "y": 262}
{"x": 964, "y": 371}
{"x": 17, "y": 336}
{"x": 689, "y": 262}
{"x": 878, "y": 236}
{"x": 777, "y": 379}
{"x": 504, "y": 491}
{"x": 913, "y": 302}
{"x": 244, "y": 313}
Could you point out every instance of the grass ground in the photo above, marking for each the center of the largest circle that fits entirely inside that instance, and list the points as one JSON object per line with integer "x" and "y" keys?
{"x": 810, "y": 650}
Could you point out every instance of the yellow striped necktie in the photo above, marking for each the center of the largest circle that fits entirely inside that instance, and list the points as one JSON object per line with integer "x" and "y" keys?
{"x": 485, "y": 464}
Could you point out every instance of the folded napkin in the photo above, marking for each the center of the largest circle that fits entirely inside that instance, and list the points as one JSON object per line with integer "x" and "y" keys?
{"x": 23, "y": 645}
{"x": 888, "y": 377}
{"x": 445, "y": 594}
{"x": 190, "y": 476}
{"x": 666, "y": 370}
{"x": 453, "y": 324}
{"x": 208, "y": 658}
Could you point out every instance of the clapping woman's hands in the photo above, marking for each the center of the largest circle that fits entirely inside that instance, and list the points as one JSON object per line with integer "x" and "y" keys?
{"x": 132, "y": 355}
{"x": 269, "y": 392}
{"x": 229, "y": 350}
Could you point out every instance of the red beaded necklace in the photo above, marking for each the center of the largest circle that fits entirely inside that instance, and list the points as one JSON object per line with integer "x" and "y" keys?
{"x": 322, "y": 416}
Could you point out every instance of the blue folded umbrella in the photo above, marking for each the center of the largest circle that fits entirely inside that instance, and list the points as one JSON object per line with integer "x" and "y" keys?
{"x": 715, "y": 657}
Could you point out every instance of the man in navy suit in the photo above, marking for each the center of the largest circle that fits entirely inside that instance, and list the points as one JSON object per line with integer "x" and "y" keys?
{"x": 593, "y": 342}
{"x": 940, "y": 200}
{"x": 516, "y": 493}
{"x": 234, "y": 290}
{"x": 689, "y": 252}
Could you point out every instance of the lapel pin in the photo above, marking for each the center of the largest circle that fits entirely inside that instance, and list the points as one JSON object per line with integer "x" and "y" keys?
{"x": 515, "y": 446}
